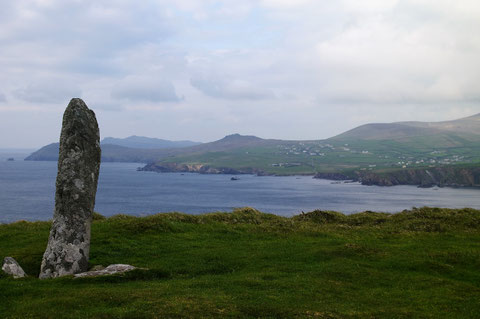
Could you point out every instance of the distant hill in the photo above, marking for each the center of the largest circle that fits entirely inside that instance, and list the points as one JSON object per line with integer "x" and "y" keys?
{"x": 368, "y": 148}
{"x": 467, "y": 125}
{"x": 147, "y": 142}
{"x": 46, "y": 153}
{"x": 376, "y": 148}
{"x": 110, "y": 153}
{"x": 465, "y": 128}
{"x": 229, "y": 142}
{"x": 136, "y": 149}
{"x": 118, "y": 153}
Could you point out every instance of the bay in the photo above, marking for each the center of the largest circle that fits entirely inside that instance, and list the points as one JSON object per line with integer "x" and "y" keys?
{"x": 27, "y": 191}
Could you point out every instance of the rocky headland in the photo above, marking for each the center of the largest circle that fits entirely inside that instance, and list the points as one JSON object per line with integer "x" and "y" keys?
{"x": 423, "y": 177}
{"x": 197, "y": 168}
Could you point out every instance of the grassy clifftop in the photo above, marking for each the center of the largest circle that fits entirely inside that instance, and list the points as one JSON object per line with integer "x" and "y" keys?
{"x": 419, "y": 263}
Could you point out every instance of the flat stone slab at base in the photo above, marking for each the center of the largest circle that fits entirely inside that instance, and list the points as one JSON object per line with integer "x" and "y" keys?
{"x": 12, "y": 268}
{"x": 110, "y": 270}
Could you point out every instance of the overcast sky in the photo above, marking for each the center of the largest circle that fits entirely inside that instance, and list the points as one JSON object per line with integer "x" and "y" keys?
{"x": 202, "y": 69}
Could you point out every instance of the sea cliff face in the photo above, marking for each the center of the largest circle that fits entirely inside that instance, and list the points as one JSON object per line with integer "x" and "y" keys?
{"x": 197, "y": 168}
{"x": 422, "y": 177}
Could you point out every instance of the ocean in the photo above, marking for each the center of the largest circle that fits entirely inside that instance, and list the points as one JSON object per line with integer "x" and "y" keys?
{"x": 27, "y": 191}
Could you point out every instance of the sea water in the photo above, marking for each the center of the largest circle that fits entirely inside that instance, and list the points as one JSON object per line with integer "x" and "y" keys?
{"x": 27, "y": 191}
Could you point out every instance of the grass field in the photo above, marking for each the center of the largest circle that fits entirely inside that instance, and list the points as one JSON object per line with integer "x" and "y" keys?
{"x": 423, "y": 263}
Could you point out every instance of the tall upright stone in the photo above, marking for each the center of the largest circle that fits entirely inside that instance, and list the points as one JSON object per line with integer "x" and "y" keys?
{"x": 76, "y": 186}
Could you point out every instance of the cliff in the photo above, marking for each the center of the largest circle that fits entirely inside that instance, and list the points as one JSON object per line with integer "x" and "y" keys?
{"x": 454, "y": 176}
{"x": 197, "y": 168}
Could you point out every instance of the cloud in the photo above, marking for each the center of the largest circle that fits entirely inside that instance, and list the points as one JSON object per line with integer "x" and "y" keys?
{"x": 309, "y": 68}
{"x": 284, "y": 3}
{"x": 95, "y": 27}
{"x": 3, "y": 98}
{"x": 48, "y": 91}
{"x": 387, "y": 59}
{"x": 111, "y": 107}
{"x": 78, "y": 36}
{"x": 228, "y": 88}
{"x": 151, "y": 89}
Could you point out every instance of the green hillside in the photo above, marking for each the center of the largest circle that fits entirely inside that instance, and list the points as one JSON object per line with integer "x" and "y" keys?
{"x": 422, "y": 263}
{"x": 309, "y": 157}
{"x": 468, "y": 127}
{"x": 368, "y": 147}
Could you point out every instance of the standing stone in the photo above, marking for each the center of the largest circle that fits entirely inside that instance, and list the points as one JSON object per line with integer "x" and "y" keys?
{"x": 78, "y": 166}
{"x": 11, "y": 267}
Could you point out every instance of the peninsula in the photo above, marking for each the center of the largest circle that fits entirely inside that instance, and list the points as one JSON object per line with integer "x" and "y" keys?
{"x": 413, "y": 153}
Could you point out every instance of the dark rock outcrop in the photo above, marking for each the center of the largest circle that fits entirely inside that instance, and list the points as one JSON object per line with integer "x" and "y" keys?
{"x": 197, "y": 168}
{"x": 68, "y": 246}
{"x": 333, "y": 176}
{"x": 425, "y": 177}
{"x": 422, "y": 177}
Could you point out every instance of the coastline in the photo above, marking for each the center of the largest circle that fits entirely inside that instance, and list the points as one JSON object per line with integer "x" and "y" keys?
{"x": 444, "y": 176}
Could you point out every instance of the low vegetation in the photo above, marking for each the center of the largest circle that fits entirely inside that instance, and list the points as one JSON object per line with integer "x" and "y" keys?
{"x": 419, "y": 263}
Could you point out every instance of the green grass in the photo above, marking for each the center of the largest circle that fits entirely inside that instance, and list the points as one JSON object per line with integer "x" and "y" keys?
{"x": 423, "y": 263}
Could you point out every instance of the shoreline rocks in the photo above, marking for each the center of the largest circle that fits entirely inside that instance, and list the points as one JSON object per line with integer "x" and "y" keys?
{"x": 447, "y": 176}
{"x": 197, "y": 168}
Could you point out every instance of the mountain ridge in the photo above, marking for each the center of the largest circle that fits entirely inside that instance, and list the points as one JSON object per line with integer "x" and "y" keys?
{"x": 119, "y": 153}
{"x": 135, "y": 141}
{"x": 363, "y": 151}
{"x": 466, "y": 127}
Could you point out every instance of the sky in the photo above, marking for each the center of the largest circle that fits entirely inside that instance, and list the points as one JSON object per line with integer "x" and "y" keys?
{"x": 203, "y": 69}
